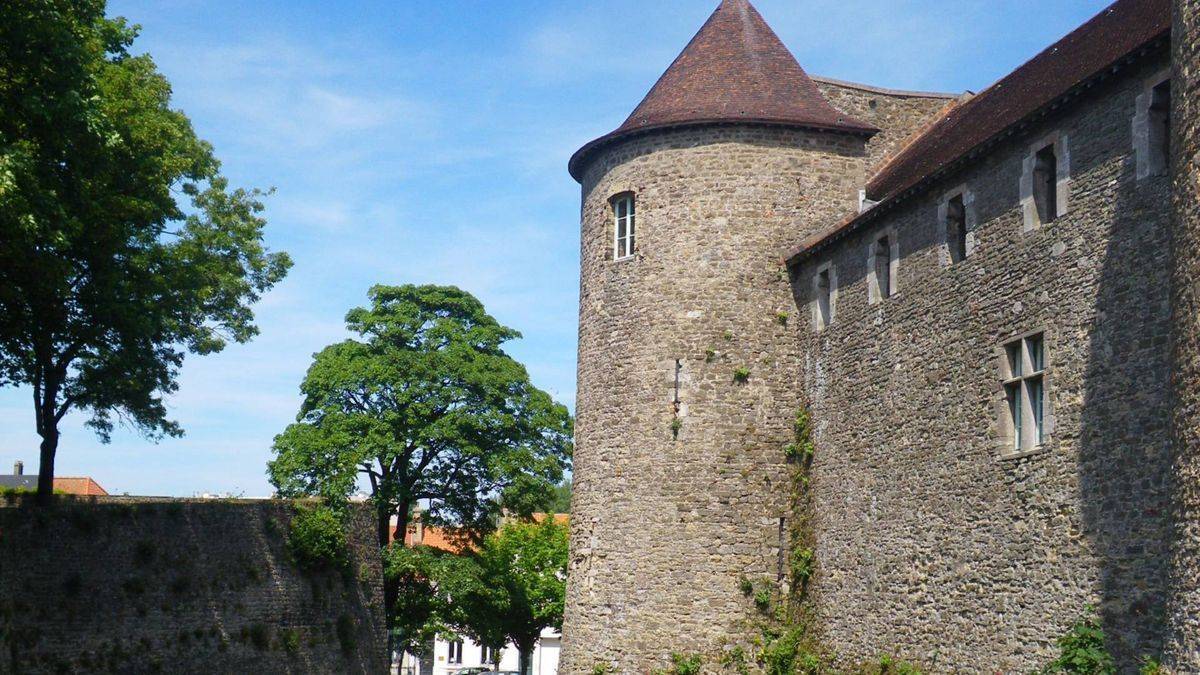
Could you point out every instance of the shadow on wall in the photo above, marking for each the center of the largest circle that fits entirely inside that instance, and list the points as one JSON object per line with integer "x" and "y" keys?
{"x": 135, "y": 585}
{"x": 1124, "y": 444}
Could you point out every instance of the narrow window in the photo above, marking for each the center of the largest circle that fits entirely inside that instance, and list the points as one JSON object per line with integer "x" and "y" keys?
{"x": 1045, "y": 184}
{"x": 456, "y": 652}
{"x": 625, "y": 216}
{"x": 489, "y": 656}
{"x": 881, "y": 261}
{"x": 824, "y": 290}
{"x": 1160, "y": 128}
{"x": 956, "y": 229}
{"x": 1025, "y": 392}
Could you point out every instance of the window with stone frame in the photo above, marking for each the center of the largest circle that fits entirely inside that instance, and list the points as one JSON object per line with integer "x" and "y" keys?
{"x": 956, "y": 228}
{"x": 824, "y": 296}
{"x": 882, "y": 265}
{"x": 1045, "y": 184}
{"x": 1152, "y": 130}
{"x": 1025, "y": 374}
{"x": 1046, "y": 181}
{"x": 624, "y": 226}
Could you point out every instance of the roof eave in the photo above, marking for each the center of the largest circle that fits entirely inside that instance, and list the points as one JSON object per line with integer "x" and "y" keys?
{"x": 576, "y": 165}
{"x": 856, "y": 222}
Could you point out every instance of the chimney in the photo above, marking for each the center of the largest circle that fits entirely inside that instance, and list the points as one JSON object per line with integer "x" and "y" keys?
{"x": 18, "y": 468}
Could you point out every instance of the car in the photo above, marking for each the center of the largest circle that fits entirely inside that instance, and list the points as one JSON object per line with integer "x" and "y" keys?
{"x": 473, "y": 670}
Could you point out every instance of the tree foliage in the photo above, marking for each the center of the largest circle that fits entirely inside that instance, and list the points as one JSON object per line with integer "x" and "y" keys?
{"x": 507, "y": 590}
{"x": 122, "y": 248}
{"x": 427, "y": 406}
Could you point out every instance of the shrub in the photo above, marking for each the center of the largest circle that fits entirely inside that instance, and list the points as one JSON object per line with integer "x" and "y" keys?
{"x": 1082, "y": 649}
{"x": 804, "y": 563}
{"x": 786, "y": 653}
{"x": 782, "y": 318}
{"x": 290, "y": 638}
{"x": 686, "y": 664}
{"x": 741, "y": 374}
{"x": 318, "y": 540}
{"x": 762, "y": 599}
{"x": 746, "y": 586}
{"x": 676, "y": 425}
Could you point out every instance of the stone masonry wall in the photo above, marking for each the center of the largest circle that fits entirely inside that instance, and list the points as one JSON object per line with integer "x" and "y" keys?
{"x": 930, "y": 545}
{"x": 1184, "y": 644}
{"x": 900, "y": 114}
{"x": 663, "y": 528}
{"x": 130, "y": 585}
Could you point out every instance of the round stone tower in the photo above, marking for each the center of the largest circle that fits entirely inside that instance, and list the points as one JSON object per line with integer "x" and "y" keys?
{"x": 1183, "y": 643}
{"x": 688, "y": 358}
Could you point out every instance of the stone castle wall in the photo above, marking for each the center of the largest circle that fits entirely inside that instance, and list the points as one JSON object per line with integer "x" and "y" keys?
{"x": 1184, "y": 646}
{"x": 900, "y": 114}
{"x": 930, "y": 545}
{"x": 664, "y": 527}
{"x": 130, "y": 585}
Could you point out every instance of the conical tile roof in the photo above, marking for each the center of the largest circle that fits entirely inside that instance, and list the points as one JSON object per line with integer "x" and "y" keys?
{"x": 734, "y": 70}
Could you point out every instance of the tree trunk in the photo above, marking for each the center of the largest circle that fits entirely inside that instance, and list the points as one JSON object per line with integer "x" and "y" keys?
{"x": 525, "y": 661}
{"x": 45, "y": 488}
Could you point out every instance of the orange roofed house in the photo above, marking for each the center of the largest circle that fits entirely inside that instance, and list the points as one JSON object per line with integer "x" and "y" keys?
{"x": 71, "y": 485}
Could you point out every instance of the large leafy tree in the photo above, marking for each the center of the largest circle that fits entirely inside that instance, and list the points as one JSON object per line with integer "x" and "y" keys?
{"x": 511, "y": 588}
{"x": 122, "y": 248}
{"x": 425, "y": 407}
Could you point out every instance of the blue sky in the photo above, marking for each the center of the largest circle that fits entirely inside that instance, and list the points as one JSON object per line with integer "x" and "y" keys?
{"x": 426, "y": 142}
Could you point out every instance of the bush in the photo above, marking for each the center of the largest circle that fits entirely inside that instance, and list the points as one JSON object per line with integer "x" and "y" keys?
{"x": 741, "y": 375}
{"x": 1082, "y": 649}
{"x": 686, "y": 664}
{"x": 318, "y": 540}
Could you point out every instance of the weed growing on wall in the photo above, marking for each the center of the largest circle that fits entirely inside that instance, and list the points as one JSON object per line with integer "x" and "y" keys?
{"x": 1082, "y": 649}
{"x": 317, "y": 540}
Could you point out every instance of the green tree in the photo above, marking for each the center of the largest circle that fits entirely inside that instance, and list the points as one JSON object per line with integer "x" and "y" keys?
{"x": 512, "y": 588}
{"x": 425, "y": 406}
{"x": 419, "y": 607}
{"x": 562, "y": 498}
{"x": 106, "y": 280}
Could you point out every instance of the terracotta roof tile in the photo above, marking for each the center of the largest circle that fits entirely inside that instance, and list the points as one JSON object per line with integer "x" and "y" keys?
{"x": 78, "y": 486}
{"x": 734, "y": 70}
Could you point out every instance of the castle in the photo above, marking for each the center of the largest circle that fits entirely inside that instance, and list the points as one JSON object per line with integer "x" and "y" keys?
{"x": 983, "y": 303}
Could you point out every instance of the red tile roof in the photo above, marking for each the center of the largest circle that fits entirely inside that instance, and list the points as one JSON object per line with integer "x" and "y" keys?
{"x": 734, "y": 70}
{"x": 78, "y": 486}
{"x": 1122, "y": 29}
{"x": 446, "y": 540}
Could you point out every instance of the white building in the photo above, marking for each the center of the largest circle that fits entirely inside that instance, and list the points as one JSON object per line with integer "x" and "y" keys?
{"x": 450, "y": 658}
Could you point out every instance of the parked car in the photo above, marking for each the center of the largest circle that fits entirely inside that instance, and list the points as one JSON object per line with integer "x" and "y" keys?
{"x": 474, "y": 670}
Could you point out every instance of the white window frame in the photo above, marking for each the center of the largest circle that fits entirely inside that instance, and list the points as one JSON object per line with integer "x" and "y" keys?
{"x": 821, "y": 318}
{"x": 1021, "y": 435}
{"x": 1147, "y": 136}
{"x": 1062, "y": 202}
{"x": 969, "y": 223}
{"x": 454, "y": 652}
{"x": 628, "y": 200}
{"x": 874, "y": 292}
